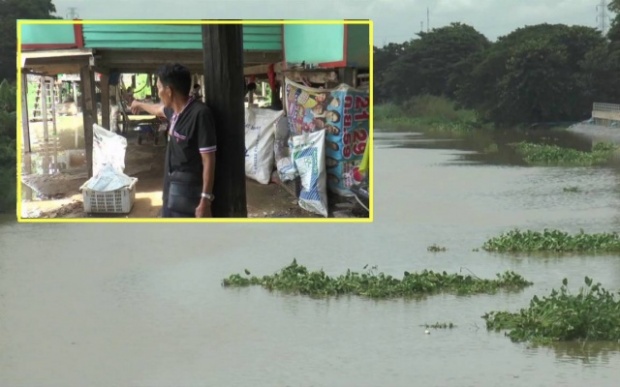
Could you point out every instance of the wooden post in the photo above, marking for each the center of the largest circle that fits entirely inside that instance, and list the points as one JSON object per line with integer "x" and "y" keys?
{"x": 53, "y": 99}
{"x": 75, "y": 95}
{"x": 25, "y": 120}
{"x": 202, "y": 88}
{"x": 43, "y": 105}
{"x": 26, "y": 170}
{"x": 105, "y": 101}
{"x": 121, "y": 109}
{"x": 283, "y": 98}
{"x": 89, "y": 113}
{"x": 149, "y": 82}
{"x": 347, "y": 75}
{"x": 224, "y": 86}
{"x": 154, "y": 91}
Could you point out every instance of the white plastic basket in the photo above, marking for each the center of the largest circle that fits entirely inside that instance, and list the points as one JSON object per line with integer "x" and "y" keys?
{"x": 119, "y": 201}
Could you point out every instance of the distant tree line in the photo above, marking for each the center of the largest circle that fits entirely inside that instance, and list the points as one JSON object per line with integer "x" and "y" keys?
{"x": 7, "y": 146}
{"x": 10, "y": 12}
{"x": 540, "y": 73}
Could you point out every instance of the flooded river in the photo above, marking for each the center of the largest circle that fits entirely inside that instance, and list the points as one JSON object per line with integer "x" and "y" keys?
{"x": 142, "y": 305}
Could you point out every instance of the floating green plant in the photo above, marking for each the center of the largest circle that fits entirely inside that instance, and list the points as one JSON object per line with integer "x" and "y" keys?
{"x": 571, "y": 189}
{"x": 439, "y": 325}
{"x": 539, "y": 154}
{"x": 296, "y": 279}
{"x": 591, "y": 314}
{"x": 492, "y": 148}
{"x": 554, "y": 241}
{"x": 435, "y": 248}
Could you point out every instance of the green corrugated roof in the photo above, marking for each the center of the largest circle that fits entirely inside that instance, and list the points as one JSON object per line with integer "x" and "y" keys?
{"x": 146, "y": 36}
{"x": 173, "y": 37}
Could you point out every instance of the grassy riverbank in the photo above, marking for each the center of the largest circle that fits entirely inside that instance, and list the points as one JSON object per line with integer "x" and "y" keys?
{"x": 426, "y": 114}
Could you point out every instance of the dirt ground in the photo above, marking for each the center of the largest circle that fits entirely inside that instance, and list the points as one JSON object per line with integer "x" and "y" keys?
{"x": 51, "y": 192}
{"x": 62, "y": 197}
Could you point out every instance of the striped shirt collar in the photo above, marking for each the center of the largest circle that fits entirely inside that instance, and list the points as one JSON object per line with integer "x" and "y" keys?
{"x": 175, "y": 116}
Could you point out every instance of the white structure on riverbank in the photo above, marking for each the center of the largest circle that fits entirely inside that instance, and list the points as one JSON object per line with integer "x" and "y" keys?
{"x": 606, "y": 114}
{"x": 604, "y": 124}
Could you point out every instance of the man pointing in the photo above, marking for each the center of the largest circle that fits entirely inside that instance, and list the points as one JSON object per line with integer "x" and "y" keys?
{"x": 190, "y": 153}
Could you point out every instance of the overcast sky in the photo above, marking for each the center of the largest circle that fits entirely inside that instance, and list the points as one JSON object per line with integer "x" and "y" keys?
{"x": 394, "y": 20}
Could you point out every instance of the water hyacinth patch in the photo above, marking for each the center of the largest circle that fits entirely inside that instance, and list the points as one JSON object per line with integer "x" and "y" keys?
{"x": 438, "y": 325}
{"x": 592, "y": 314}
{"x": 571, "y": 189}
{"x": 296, "y": 279}
{"x": 554, "y": 241}
{"x": 435, "y": 248}
{"x": 539, "y": 154}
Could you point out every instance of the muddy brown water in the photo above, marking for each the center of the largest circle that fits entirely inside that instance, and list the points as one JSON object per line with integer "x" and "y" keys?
{"x": 142, "y": 305}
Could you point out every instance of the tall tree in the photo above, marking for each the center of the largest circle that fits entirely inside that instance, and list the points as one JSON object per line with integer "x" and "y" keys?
{"x": 7, "y": 147}
{"x": 614, "y": 31}
{"x": 537, "y": 73}
{"x": 7, "y": 111}
{"x": 432, "y": 64}
{"x": 10, "y": 12}
{"x": 601, "y": 76}
{"x": 382, "y": 59}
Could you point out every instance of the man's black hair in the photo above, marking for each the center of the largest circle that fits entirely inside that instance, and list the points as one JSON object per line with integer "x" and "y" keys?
{"x": 177, "y": 77}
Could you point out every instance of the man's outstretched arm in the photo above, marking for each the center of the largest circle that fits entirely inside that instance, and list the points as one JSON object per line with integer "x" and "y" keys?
{"x": 155, "y": 109}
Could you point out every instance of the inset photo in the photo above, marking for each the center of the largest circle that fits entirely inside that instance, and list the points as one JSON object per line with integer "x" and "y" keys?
{"x": 185, "y": 120}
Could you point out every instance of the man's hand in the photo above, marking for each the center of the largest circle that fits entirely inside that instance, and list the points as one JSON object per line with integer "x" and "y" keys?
{"x": 204, "y": 209}
{"x": 136, "y": 107}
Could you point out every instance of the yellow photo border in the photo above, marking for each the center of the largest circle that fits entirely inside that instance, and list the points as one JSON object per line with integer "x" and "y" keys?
{"x": 370, "y": 218}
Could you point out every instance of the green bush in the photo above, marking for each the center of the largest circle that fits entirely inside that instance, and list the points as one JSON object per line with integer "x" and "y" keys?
{"x": 7, "y": 146}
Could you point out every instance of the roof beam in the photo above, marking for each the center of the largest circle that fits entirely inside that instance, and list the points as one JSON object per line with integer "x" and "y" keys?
{"x": 143, "y": 61}
{"x": 262, "y": 69}
{"x": 296, "y": 75}
{"x": 150, "y": 59}
{"x": 314, "y": 76}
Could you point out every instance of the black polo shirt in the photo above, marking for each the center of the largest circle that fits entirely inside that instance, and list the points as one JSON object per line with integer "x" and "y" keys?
{"x": 192, "y": 135}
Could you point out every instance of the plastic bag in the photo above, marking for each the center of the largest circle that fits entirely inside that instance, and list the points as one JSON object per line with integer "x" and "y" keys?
{"x": 108, "y": 180}
{"x": 108, "y": 161}
{"x": 108, "y": 149}
{"x": 260, "y": 127}
{"x": 309, "y": 160}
